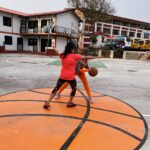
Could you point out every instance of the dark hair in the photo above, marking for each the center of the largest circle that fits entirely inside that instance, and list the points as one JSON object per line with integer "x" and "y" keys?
{"x": 85, "y": 52}
{"x": 68, "y": 49}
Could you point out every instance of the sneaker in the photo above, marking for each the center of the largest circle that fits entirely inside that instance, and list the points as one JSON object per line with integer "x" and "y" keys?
{"x": 71, "y": 105}
{"x": 46, "y": 105}
{"x": 90, "y": 99}
{"x": 57, "y": 96}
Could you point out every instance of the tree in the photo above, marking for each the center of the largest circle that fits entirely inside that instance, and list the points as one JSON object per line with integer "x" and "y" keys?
{"x": 93, "y": 39}
{"x": 93, "y": 10}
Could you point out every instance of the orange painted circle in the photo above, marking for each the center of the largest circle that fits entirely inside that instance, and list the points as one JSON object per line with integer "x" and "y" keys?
{"x": 106, "y": 124}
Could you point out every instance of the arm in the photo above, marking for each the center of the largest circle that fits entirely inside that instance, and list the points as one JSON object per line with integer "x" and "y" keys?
{"x": 57, "y": 51}
{"x": 83, "y": 70}
{"x": 88, "y": 57}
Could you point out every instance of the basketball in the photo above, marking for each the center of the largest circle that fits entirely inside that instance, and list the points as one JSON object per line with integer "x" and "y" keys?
{"x": 93, "y": 72}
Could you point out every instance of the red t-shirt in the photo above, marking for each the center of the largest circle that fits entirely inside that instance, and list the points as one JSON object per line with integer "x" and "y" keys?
{"x": 68, "y": 66}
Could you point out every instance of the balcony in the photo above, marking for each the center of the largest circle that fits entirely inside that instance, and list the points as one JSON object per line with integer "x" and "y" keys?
{"x": 64, "y": 31}
{"x": 56, "y": 30}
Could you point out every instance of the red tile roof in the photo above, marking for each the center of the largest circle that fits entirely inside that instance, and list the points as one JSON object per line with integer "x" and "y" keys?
{"x": 13, "y": 11}
{"x": 129, "y": 20}
{"x": 62, "y": 11}
{"x": 38, "y": 14}
{"x": 50, "y": 13}
{"x": 33, "y": 14}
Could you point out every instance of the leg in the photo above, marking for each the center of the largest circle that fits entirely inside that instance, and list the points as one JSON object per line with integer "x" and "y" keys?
{"x": 60, "y": 82}
{"x": 73, "y": 85}
{"x": 61, "y": 89}
{"x": 85, "y": 83}
{"x": 83, "y": 78}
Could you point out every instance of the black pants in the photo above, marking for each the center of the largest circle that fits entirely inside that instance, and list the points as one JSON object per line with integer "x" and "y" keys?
{"x": 60, "y": 82}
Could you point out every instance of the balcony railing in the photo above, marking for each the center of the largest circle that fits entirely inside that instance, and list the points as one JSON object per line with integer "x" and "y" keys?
{"x": 46, "y": 29}
{"x": 64, "y": 31}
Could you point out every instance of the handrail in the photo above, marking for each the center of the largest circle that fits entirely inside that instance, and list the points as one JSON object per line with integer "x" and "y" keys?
{"x": 55, "y": 29}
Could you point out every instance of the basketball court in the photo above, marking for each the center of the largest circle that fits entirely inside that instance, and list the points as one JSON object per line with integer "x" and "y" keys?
{"x": 106, "y": 124}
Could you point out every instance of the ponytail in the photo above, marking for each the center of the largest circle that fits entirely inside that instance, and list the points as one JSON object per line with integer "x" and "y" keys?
{"x": 68, "y": 49}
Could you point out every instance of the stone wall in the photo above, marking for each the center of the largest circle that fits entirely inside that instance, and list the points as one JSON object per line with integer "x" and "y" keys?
{"x": 136, "y": 55}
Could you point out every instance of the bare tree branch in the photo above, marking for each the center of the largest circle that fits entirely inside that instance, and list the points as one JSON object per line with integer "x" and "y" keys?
{"x": 94, "y": 10}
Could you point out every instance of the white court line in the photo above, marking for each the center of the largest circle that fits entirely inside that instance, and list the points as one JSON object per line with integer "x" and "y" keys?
{"x": 10, "y": 62}
{"x": 145, "y": 115}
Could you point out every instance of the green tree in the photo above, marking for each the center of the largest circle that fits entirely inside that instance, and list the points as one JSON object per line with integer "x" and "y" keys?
{"x": 93, "y": 39}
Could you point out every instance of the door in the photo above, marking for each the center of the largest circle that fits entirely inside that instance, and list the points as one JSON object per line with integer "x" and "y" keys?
{"x": 44, "y": 43}
{"x": 20, "y": 44}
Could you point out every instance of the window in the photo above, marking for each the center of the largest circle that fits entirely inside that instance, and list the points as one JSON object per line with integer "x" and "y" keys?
{"x": 88, "y": 28}
{"x": 7, "y": 21}
{"x": 128, "y": 39}
{"x": 23, "y": 23}
{"x": 141, "y": 42}
{"x": 103, "y": 39}
{"x": 117, "y": 22}
{"x": 139, "y": 35}
{"x": 131, "y": 34}
{"x": 146, "y": 36}
{"x": 107, "y": 31}
{"x": 147, "y": 41}
{"x": 124, "y": 33}
{"x": 115, "y": 32}
{"x": 8, "y": 40}
{"x": 123, "y": 23}
{"x": 99, "y": 29}
{"x": 136, "y": 41}
{"x": 133, "y": 25}
{"x": 43, "y": 23}
{"x": 32, "y": 24}
{"x": 32, "y": 41}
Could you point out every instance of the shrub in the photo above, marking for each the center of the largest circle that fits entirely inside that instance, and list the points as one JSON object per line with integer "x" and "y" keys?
{"x": 93, "y": 39}
{"x": 118, "y": 53}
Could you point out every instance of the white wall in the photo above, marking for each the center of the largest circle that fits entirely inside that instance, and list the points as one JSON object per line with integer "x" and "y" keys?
{"x": 5, "y": 28}
{"x": 15, "y": 28}
{"x": 14, "y": 41}
{"x": 25, "y": 45}
{"x": 63, "y": 19}
{"x": 16, "y": 23}
{"x": 66, "y": 20}
{"x": 30, "y": 48}
{"x": 1, "y": 39}
{"x": 60, "y": 44}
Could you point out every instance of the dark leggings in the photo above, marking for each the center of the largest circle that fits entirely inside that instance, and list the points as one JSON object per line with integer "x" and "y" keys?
{"x": 60, "y": 82}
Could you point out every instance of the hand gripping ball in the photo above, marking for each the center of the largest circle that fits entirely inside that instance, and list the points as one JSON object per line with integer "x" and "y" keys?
{"x": 93, "y": 72}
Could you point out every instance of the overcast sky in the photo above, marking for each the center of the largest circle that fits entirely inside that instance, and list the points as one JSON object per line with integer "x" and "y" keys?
{"x": 134, "y": 9}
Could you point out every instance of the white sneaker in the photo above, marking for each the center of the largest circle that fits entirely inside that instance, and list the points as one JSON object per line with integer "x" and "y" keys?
{"x": 57, "y": 96}
{"x": 90, "y": 99}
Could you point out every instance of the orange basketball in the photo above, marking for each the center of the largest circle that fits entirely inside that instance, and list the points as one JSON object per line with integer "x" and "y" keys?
{"x": 93, "y": 72}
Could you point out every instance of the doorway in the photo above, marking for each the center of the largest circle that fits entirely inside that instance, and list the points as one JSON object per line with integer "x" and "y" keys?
{"x": 19, "y": 44}
{"x": 44, "y": 43}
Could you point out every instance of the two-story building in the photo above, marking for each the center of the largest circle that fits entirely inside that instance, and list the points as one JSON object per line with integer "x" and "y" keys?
{"x": 39, "y": 31}
{"x": 116, "y": 26}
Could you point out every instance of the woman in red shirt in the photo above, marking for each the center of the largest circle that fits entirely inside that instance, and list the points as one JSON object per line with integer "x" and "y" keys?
{"x": 81, "y": 69}
{"x": 67, "y": 74}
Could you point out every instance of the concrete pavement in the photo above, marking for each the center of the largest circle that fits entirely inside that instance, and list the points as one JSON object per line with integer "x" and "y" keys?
{"x": 127, "y": 80}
